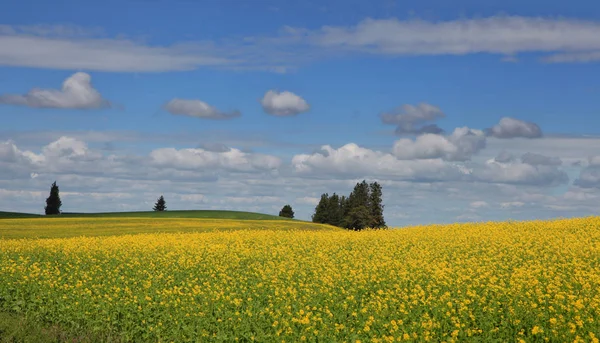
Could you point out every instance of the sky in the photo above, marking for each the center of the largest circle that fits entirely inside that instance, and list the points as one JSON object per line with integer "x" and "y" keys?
{"x": 463, "y": 111}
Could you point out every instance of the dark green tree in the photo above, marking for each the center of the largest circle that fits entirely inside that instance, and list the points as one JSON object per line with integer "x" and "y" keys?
{"x": 321, "y": 214}
{"x": 53, "y": 202}
{"x": 334, "y": 209}
{"x": 376, "y": 206}
{"x": 161, "y": 204}
{"x": 286, "y": 212}
{"x": 358, "y": 218}
{"x": 356, "y": 202}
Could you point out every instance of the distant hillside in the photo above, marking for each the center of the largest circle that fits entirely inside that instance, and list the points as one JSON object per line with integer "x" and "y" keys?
{"x": 209, "y": 214}
{"x": 17, "y": 215}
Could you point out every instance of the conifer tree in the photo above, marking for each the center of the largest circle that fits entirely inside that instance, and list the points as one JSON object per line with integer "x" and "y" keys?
{"x": 334, "y": 210}
{"x": 286, "y": 212}
{"x": 376, "y": 206}
{"x": 161, "y": 204}
{"x": 321, "y": 214}
{"x": 53, "y": 202}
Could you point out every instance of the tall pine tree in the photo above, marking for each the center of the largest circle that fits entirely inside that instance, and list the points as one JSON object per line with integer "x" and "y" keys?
{"x": 161, "y": 204}
{"x": 334, "y": 211}
{"x": 376, "y": 206}
{"x": 53, "y": 202}
{"x": 321, "y": 214}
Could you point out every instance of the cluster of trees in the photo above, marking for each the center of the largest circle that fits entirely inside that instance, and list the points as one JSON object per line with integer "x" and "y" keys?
{"x": 363, "y": 208}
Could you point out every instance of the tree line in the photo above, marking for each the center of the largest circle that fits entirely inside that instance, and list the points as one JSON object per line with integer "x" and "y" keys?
{"x": 363, "y": 208}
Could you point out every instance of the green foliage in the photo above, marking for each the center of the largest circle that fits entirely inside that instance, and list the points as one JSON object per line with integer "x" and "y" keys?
{"x": 358, "y": 218}
{"x": 321, "y": 214}
{"x": 53, "y": 202}
{"x": 363, "y": 208}
{"x": 376, "y": 206}
{"x": 161, "y": 205}
{"x": 286, "y": 212}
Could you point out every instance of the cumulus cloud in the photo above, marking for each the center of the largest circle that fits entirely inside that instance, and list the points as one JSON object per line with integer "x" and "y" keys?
{"x": 198, "y": 109}
{"x": 77, "y": 92}
{"x": 214, "y": 147}
{"x": 352, "y": 160}
{"x": 504, "y": 157}
{"x": 411, "y": 119}
{"x": 232, "y": 160}
{"x": 589, "y": 177}
{"x": 538, "y": 159}
{"x": 514, "y": 128}
{"x": 520, "y": 174}
{"x": 459, "y": 146}
{"x": 283, "y": 103}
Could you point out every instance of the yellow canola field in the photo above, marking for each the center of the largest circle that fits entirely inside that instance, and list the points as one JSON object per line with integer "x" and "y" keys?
{"x": 530, "y": 281}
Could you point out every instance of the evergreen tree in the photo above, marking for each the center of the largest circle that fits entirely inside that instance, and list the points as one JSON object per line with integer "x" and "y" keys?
{"x": 356, "y": 203}
{"x": 334, "y": 209}
{"x": 161, "y": 204}
{"x": 321, "y": 214}
{"x": 53, "y": 202}
{"x": 358, "y": 218}
{"x": 286, "y": 212}
{"x": 376, "y": 206}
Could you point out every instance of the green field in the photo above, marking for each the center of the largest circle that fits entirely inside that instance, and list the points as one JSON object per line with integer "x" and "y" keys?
{"x": 4, "y": 215}
{"x": 152, "y": 214}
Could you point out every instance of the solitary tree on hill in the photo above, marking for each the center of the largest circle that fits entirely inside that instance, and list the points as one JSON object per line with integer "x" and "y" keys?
{"x": 161, "y": 204}
{"x": 286, "y": 212}
{"x": 53, "y": 202}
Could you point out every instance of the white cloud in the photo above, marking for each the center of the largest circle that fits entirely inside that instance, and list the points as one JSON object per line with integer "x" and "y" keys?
{"x": 198, "y": 109}
{"x": 589, "y": 177}
{"x": 538, "y": 159}
{"x": 512, "y": 204}
{"x": 308, "y": 200}
{"x": 459, "y": 146}
{"x": 576, "y": 57}
{"x": 429, "y": 191}
{"x": 232, "y": 160}
{"x": 504, "y": 157}
{"x": 407, "y": 118}
{"x": 479, "y": 204}
{"x": 193, "y": 198}
{"x": 520, "y": 173}
{"x": 352, "y": 160}
{"x": 32, "y": 47}
{"x": 514, "y": 128}
{"x": 505, "y": 35}
{"x": 77, "y": 92}
{"x": 283, "y": 103}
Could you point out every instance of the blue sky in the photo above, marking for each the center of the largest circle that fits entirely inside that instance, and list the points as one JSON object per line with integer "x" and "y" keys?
{"x": 251, "y": 105}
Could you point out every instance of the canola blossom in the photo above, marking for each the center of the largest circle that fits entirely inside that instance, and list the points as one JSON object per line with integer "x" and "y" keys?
{"x": 507, "y": 281}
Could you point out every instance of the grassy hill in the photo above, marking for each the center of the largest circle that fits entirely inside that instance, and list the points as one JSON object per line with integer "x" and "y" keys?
{"x": 210, "y": 214}
{"x": 107, "y": 224}
{"x": 17, "y": 215}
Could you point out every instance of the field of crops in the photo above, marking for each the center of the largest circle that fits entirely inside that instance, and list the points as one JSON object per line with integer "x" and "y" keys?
{"x": 490, "y": 282}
